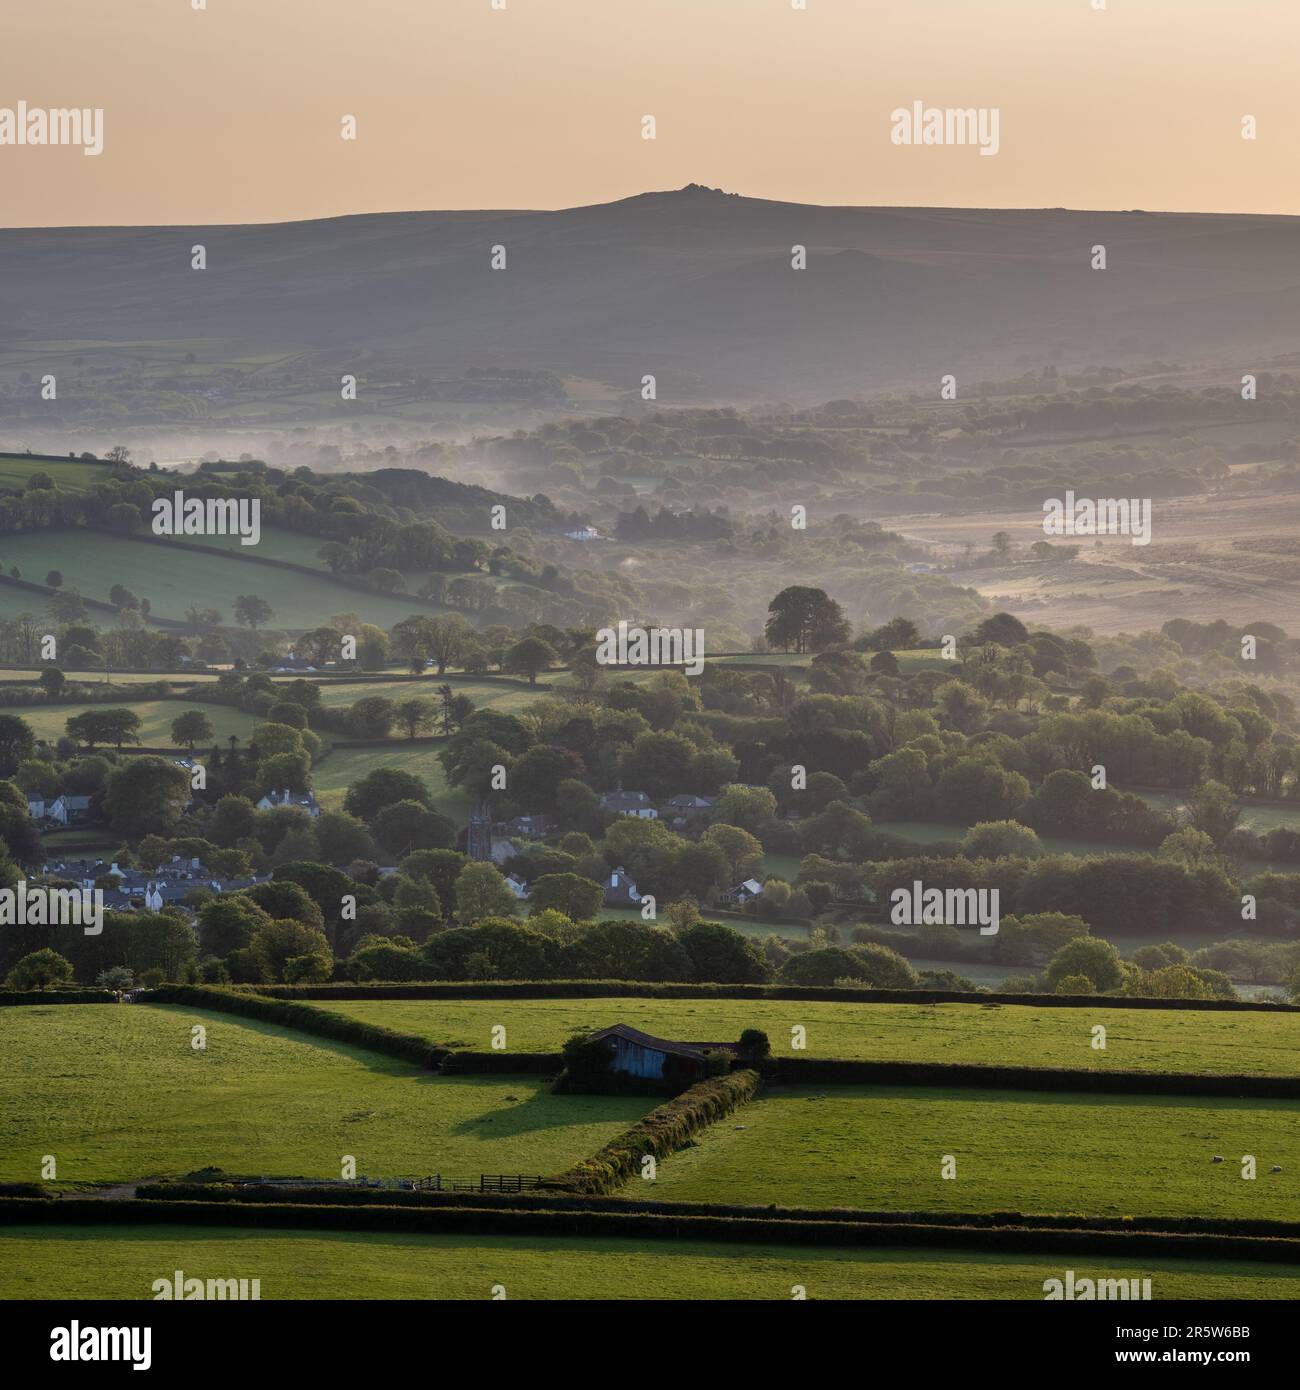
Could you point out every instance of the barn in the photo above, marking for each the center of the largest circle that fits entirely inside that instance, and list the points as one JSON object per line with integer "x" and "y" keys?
{"x": 640, "y": 1054}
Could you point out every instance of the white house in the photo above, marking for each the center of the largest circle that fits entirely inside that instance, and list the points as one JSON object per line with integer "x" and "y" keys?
{"x": 68, "y": 810}
{"x": 629, "y": 804}
{"x": 517, "y": 886}
{"x": 587, "y": 533}
{"x": 306, "y": 800}
{"x": 36, "y": 807}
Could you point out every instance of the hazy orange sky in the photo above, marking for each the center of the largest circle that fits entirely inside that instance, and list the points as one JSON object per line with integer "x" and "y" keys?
{"x": 232, "y": 113}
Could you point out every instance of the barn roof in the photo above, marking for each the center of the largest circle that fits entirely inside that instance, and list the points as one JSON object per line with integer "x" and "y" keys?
{"x": 666, "y": 1045}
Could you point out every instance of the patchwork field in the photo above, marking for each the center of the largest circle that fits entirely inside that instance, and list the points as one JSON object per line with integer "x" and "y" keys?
{"x": 117, "y": 1093}
{"x": 997, "y": 1035}
{"x": 122, "y": 1262}
{"x": 880, "y": 1148}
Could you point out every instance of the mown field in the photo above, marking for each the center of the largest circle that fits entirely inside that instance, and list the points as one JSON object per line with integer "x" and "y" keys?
{"x": 995, "y": 1035}
{"x": 116, "y": 1093}
{"x": 881, "y": 1148}
{"x": 122, "y": 1262}
{"x": 50, "y": 722}
{"x": 93, "y": 561}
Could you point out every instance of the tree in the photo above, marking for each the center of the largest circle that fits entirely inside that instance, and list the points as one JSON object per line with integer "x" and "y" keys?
{"x": 252, "y": 612}
{"x": 481, "y": 892}
{"x": 54, "y": 579}
{"x": 383, "y": 787}
{"x": 536, "y": 777}
{"x": 146, "y": 796}
{"x": 1213, "y": 809}
{"x": 1089, "y": 956}
{"x": 115, "y": 726}
{"x": 226, "y": 923}
{"x": 410, "y": 825}
{"x": 528, "y": 657}
{"x": 1001, "y": 839}
{"x": 578, "y": 898}
{"x": 1002, "y": 543}
{"x": 415, "y": 715}
{"x": 805, "y": 619}
{"x": 658, "y": 764}
{"x": 17, "y": 742}
{"x": 721, "y": 955}
{"x": 39, "y": 970}
{"x": 53, "y": 681}
{"x": 275, "y": 943}
{"x": 192, "y": 727}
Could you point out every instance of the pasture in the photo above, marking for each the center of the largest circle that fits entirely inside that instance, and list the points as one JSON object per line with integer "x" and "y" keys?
{"x": 882, "y": 1148}
{"x": 992, "y": 1035}
{"x": 93, "y": 561}
{"x": 122, "y": 1262}
{"x": 117, "y": 1093}
{"x": 49, "y": 722}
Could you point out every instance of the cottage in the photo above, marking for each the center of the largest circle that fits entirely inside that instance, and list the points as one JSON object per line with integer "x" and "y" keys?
{"x": 68, "y": 810}
{"x": 742, "y": 893}
{"x": 36, "y": 807}
{"x": 517, "y": 886}
{"x": 629, "y": 804}
{"x": 583, "y": 533}
{"x": 679, "y": 811}
{"x": 620, "y": 891}
{"x": 307, "y": 800}
{"x": 639, "y": 1054}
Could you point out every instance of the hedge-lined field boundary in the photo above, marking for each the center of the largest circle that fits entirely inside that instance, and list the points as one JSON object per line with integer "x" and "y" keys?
{"x": 638, "y": 1225}
{"x": 56, "y": 996}
{"x": 304, "y": 1019}
{"x": 604, "y": 989}
{"x": 800, "y": 1071}
{"x": 662, "y": 1132}
{"x": 261, "y": 1194}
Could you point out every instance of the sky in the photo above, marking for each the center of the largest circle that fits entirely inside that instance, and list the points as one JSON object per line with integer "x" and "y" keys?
{"x": 234, "y": 112}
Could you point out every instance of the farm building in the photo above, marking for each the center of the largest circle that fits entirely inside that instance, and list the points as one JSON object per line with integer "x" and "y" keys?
{"x": 640, "y": 1054}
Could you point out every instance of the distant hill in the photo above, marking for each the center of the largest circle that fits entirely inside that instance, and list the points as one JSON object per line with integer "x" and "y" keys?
{"x": 695, "y": 286}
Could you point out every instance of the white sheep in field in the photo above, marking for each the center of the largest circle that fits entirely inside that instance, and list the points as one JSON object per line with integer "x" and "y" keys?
{"x": 1218, "y": 1158}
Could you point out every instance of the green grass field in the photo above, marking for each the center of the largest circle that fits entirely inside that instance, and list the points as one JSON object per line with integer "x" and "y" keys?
{"x": 1006, "y": 1035}
{"x": 333, "y": 775}
{"x": 122, "y": 1262}
{"x": 117, "y": 1093}
{"x": 508, "y": 699}
{"x": 93, "y": 561}
{"x": 70, "y": 475}
{"x": 50, "y": 722}
{"x": 881, "y": 1148}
